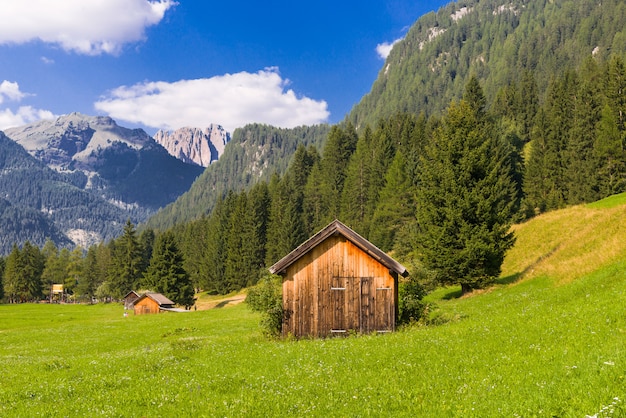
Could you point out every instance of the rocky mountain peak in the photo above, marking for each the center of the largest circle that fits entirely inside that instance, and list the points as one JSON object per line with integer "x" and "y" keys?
{"x": 194, "y": 145}
{"x": 70, "y": 140}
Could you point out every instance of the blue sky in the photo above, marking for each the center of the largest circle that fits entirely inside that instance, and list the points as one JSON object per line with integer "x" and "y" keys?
{"x": 161, "y": 64}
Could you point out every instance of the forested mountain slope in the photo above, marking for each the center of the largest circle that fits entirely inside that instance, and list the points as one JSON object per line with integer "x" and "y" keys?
{"x": 497, "y": 41}
{"x": 125, "y": 166}
{"x": 37, "y": 203}
{"x": 76, "y": 179}
{"x": 254, "y": 153}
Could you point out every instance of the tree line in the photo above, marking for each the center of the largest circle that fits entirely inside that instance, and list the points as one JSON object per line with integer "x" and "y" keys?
{"x": 439, "y": 192}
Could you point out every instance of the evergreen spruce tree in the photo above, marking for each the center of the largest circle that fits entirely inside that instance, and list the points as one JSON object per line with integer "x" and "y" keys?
{"x": 466, "y": 196}
{"x": 396, "y": 206}
{"x": 89, "y": 282}
{"x": 54, "y": 270}
{"x": 146, "y": 243}
{"x": 356, "y": 209}
{"x": 535, "y": 174}
{"x": 317, "y": 201}
{"x": 616, "y": 92}
{"x": 166, "y": 273}
{"x": 214, "y": 258}
{"x": 127, "y": 263}
{"x": 193, "y": 246}
{"x": 382, "y": 152}
{"x": 609, "y": 150}
{"x": 527, "y": 104}
{"x": 339, "y": 147}
{"x": 259, "y": 203}
{"x": 558, "y": 107}
{"x": 580, "y": 163}
{"x": 13, "y": 279}
{"x": 286, "y": 228}
{"x": 74, "y": 270}
{"x": 241, "y": 267}
{"x": 32, "y": 262}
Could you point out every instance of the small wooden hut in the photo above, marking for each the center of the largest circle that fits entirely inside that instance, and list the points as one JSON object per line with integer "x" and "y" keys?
{"x": 337, "y": 282}
{"x": 151, "y": 303}
{"x": 129, "y": 299}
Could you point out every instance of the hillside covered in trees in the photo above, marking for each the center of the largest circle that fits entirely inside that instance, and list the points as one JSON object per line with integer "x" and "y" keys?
{"x": 498, "y": 41}
{"x": 254, "y": 153}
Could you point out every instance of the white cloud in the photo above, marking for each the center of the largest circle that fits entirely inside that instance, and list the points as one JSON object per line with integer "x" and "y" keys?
{"x": 384, "y": 49}
{"x": 231, "y": 100}
{"x": 23, "y": 116}
{"x": 10, "y": 90}
{"x": 84, "y": 26}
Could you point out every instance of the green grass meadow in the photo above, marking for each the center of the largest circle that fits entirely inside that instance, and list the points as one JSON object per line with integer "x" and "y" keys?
{"x": 534, "y": 345}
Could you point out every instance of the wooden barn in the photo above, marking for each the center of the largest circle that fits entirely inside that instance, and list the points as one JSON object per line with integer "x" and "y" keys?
{"x": 151, "y": 303}
{"x": 337, "y": 282}
{"x": 129, "y": 299}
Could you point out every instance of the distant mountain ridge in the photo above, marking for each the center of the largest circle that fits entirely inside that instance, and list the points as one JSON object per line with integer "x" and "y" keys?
{"x": 194, "y": 145}
{"x": 84, "y": 176}
{"x": 74, "y": 141}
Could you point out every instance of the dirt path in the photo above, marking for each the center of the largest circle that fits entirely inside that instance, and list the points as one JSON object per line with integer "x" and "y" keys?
{"x": 220, "y": 303}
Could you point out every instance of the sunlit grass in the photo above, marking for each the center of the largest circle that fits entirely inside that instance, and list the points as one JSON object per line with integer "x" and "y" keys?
{"x": 550, "y": 344}
{"x": 569, "y": 243}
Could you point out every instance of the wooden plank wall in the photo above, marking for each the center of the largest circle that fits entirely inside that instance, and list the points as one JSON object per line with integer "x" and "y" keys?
{"x": 336, "y": 288}
{"x": 146, "y": 306}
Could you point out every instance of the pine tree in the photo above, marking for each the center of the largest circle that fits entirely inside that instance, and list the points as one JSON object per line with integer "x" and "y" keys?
{"x": 317, "y": 201}
{"x": 74, "y": 269}
{"x": 54, "y": 270}
{"x": 396, "y": 206}
{"x": 127, "y": 263}
{"x": 580, "y": 162}
{"x": 166, "y": 273}
{"x": 286, "y": 228}
{"x": 146, "y": 243}
{"x": 466, "y": 196}
{"x": 609, "y": 151}
{"x": 89, "y": 282}
{"x": 13, "y": 279}
{"x": 337, "y": 152}
{"x": 214, "y": 258}
{"x": 259, "y": 203}
{"x": 356, "y": 209}
{"x": 192, "y": 237}
{"x": 242, "y": 265}
{"x": 32, "y": 263}
{"x": 535, "y": 174}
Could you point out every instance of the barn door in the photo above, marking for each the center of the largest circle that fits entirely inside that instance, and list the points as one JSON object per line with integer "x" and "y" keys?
{"x": 357, "y": 304}
{"x": 377, "y": 310}
{"x": 338, "y": 305}
{"x": 367, "y": 322}
{"x": 385, "y": 312}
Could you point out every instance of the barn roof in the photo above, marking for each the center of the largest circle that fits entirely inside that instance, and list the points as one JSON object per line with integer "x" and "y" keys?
{"x": 131, "y": 293}
{"x": 160, "y": 299}
{"x": 337, "y": 227}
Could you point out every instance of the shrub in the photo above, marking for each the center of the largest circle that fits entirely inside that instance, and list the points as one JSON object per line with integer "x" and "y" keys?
{"x": 410, "y": 300}
{"x": 267, "y": 298}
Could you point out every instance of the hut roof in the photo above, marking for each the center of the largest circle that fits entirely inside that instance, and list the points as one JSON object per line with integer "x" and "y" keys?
{"x": 337, "y": 227}
{"x": 160, "y": 299}
{"x": 131, "y": 293}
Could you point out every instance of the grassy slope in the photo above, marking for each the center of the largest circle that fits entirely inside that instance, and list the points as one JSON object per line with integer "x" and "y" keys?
{"x": 551, "y": 343}
{"x": 570, "y": 243}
